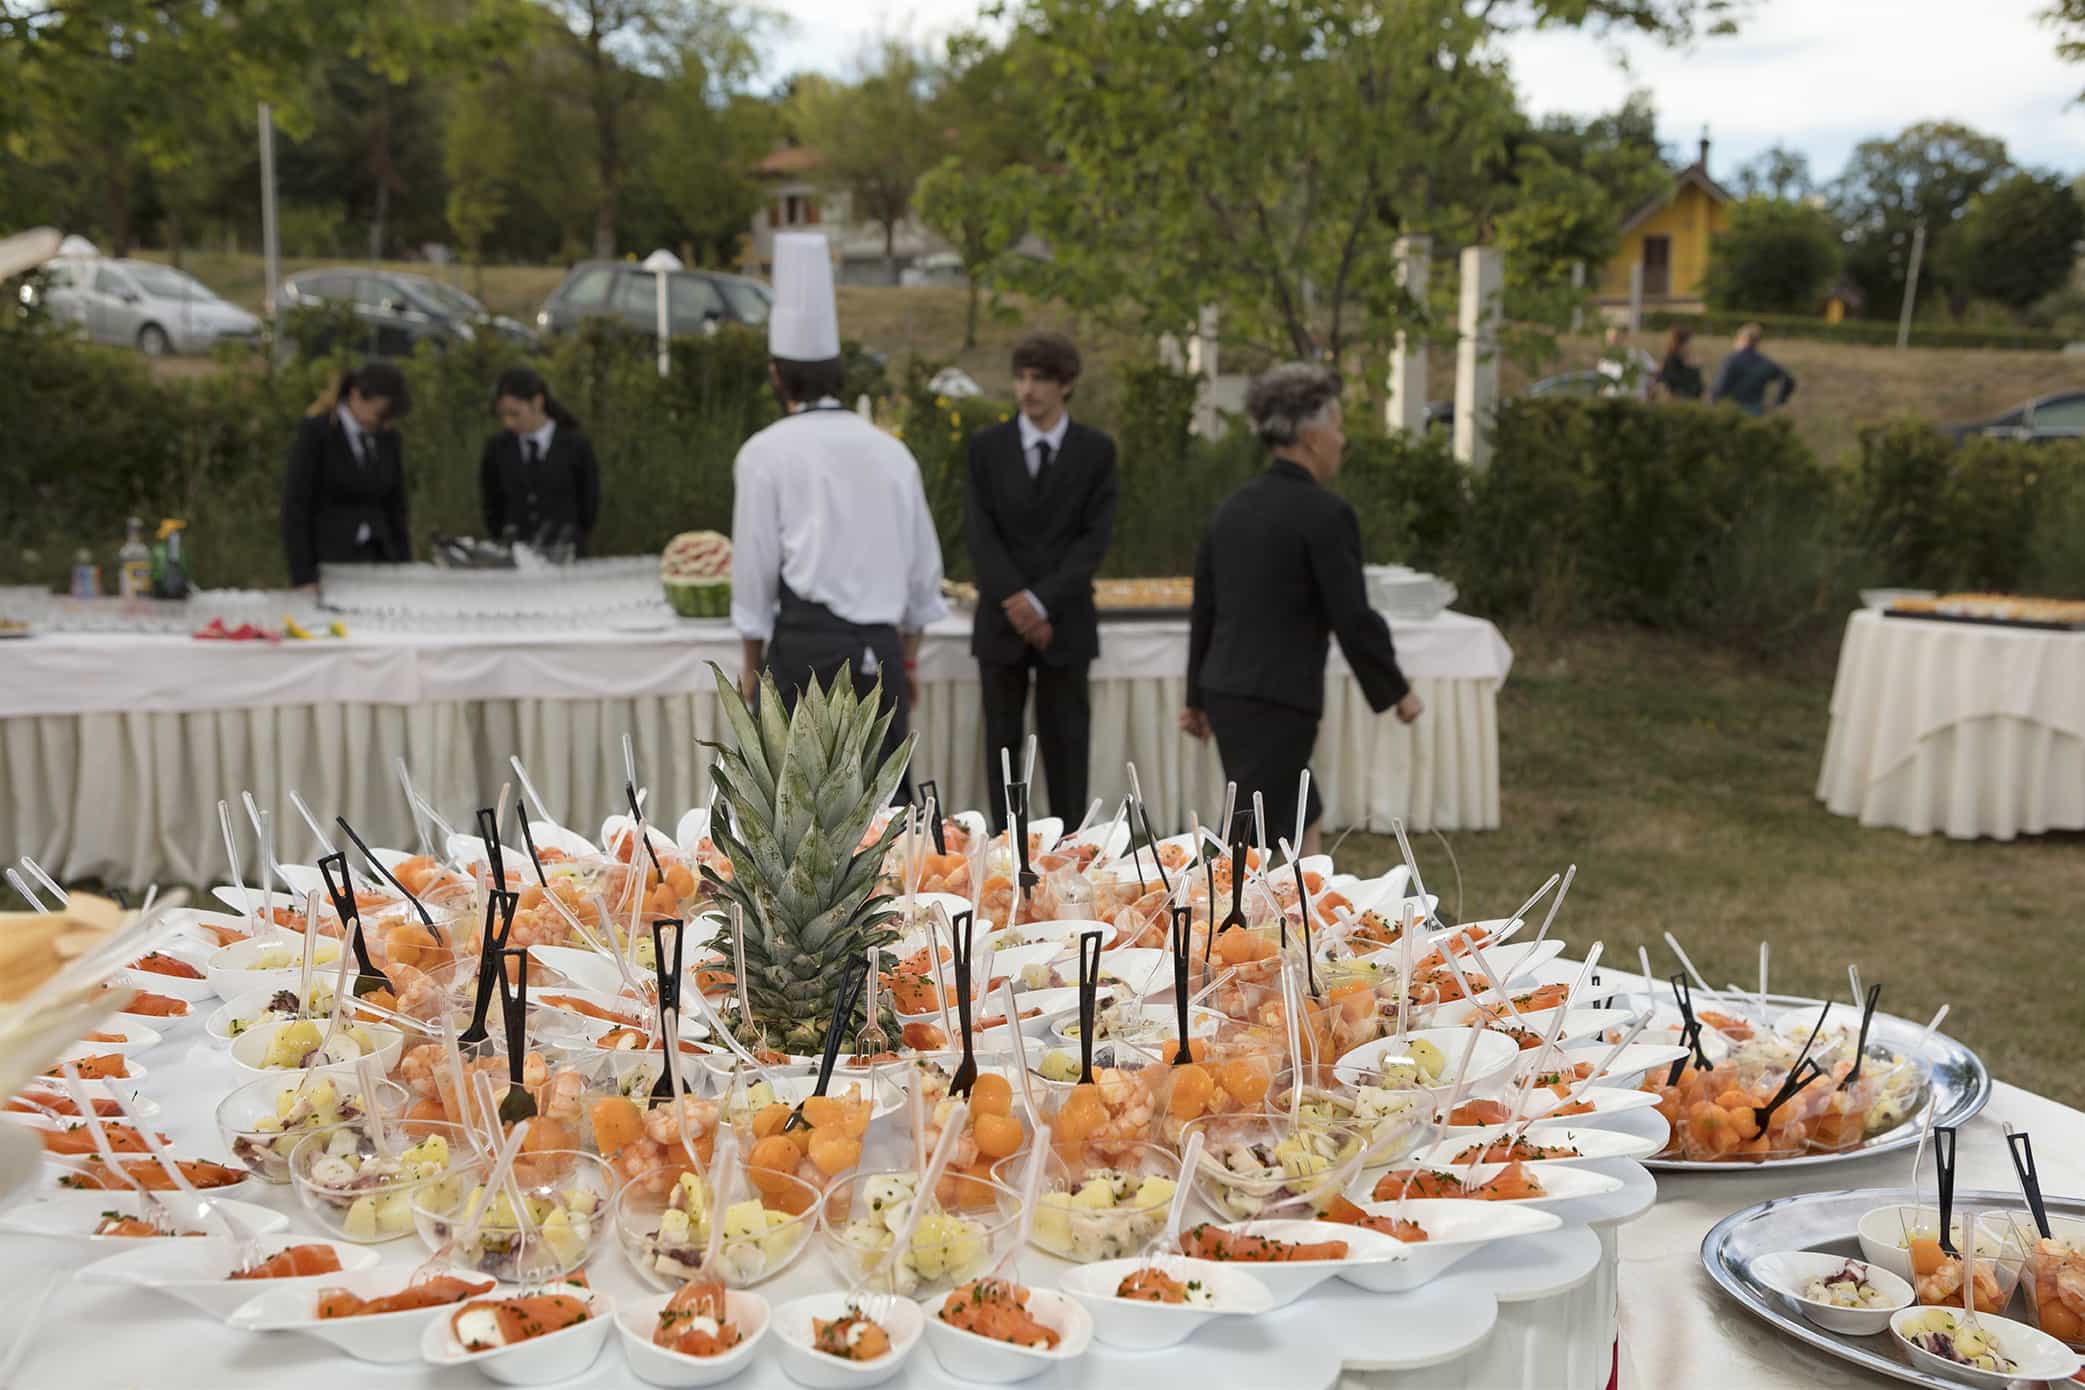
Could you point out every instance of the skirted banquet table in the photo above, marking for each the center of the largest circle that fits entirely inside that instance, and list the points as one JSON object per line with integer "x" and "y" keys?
{"x": 111, "y": 741}
{"x": 1971, "y": 730}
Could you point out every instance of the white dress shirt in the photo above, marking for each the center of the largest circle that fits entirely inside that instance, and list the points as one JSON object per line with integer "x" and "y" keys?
{"x": 360, "y": 445}
{"x": 1032, "y": 456}
{"x": 834, "y": 506}
{"x": 541, "y": 439}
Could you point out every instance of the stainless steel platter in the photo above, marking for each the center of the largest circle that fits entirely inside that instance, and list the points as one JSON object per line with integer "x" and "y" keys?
{"x": 1826, "y": 1221}
{"x": 1958, "y": 1085}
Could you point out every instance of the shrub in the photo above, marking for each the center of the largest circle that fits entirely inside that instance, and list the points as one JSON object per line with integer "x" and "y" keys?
{"x": 1860, "y": 332}
{"x": 1776, "y": 255}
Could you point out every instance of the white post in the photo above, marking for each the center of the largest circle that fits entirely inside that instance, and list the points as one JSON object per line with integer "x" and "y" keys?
{"x": 1577, "y": 297}
{"x": 1483, "y": 272}
{"x": 1636, "y": 296}
{"x": 1918, "y": 253}
{"x": 271, "y": 255}
{"x": 1202, "y": 361}
{"x": 1406, "y": 407}
{"x": 662, "y": 263}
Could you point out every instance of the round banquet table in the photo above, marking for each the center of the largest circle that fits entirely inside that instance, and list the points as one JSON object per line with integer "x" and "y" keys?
{"x": 115, "y": 747}
{"x": 1969, "y": 729}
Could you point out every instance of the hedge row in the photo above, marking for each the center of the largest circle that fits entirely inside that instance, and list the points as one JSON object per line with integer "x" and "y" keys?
{"x": 1678, "y": 516}
{"x": 1861, "y": 332}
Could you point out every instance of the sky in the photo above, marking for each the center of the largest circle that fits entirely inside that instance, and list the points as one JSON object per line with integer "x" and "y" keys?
{"x": 1817, "y": 75}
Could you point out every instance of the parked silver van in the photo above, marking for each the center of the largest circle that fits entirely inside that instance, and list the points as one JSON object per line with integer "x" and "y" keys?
{"x": 141, "y": 304}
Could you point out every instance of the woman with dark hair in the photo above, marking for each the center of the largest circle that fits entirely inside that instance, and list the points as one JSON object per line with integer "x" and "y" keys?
{"x": 1678, "y": 379}
{"x": 538, "y": 479}
{"x": 343, "y": 496}
{"x": 1278, "y": 574}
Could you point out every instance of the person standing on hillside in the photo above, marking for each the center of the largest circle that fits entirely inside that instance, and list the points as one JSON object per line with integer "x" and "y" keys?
{"x": 1627, "y": 366}
{"x": 1277, "y": 575}
{"x": 1678, "y": 378}
{"x": 1038, "y": 508}
{"x": 1747, "y": 374}
{"x": 835, "y": 566}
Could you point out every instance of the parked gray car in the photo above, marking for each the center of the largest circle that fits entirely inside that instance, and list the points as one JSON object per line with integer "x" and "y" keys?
{"x": 141, "y": 304}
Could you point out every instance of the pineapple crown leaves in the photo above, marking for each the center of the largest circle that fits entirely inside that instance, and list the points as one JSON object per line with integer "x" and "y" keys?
{"x": 800, "y": 796}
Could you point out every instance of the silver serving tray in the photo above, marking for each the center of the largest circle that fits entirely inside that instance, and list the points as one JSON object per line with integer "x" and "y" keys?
{"x": 1827, "y": 1221}
{"x": 1957, "y": 1085}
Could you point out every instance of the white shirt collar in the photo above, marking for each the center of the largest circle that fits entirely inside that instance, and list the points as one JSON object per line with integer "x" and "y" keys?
{"x": 542, "y": 438}
{"x": 356, "y": 434}
{"x": 1054, "y": 436}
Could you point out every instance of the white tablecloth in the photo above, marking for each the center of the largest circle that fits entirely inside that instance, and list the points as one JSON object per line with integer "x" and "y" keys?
{"x": 114, "y": 749}
{"x": 1680, "y": 1329}
{"x": 1966, "y": 729}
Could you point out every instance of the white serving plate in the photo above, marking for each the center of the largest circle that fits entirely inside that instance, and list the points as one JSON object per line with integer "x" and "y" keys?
{"x": 385, "y": 1338}
{"x": 193, "y": 1269}
{"x": 655, "y": 1365}
{"x": 1788, "y": 1271}
{"x": 1496, "y": 1056}
{"x": 1064, "y": 930}
{"x": 1139, "y": 1326}
{"x": 2040, "y": 1357}
{"x": 1593, "y": 1145}
{"x": 1454, "y": 1230}
{"x": 231, "y": 973}
{"x": 136, "y": 1038}
{"x": 906, "y": 1325}
{"x": 1626, "y": 1071}
{"x": 191, "y": 990}
{"x": 46, "y": 1087}
{"x": 543, "y": 1360}
{"x": 969, "y": 1357}
{"x": 1285, "y": 1283}
{"x": 69, "y": 1215}
{"x": 1561, "y": 1183}
{"x": 252, "y": 1045}
{"x": 586, "y": 969}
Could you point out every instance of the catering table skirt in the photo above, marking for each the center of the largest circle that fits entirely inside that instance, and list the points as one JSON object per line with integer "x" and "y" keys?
{"x": 1965, "y": 729}
{"x": 128, "y": 793}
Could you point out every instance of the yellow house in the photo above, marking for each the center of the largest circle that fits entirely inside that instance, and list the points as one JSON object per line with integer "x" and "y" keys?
{"x": 1669, "y": 236}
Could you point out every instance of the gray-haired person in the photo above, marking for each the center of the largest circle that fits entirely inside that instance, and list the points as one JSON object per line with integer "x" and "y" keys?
{"x": 1277, "y": 575}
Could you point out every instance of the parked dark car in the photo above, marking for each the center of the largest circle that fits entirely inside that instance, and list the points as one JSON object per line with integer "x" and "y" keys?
{"x": 628, "y": 294}
{"x": 2061, "y": 416}
{"x": 399, "y": 310}
{"x": 1440, "y": 415}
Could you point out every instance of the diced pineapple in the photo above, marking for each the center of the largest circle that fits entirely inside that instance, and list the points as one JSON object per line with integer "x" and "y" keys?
{"x": 394, "y": 1214}
{"x": 1155, "y": 1192}
{"x": 562, "y": 1237}
{"x": 1095, "y": 1196}
{"x": 746, "y": 1218}
{"x": 1431, "y": 1062}
{"x": 1053, "y": 1220}
{"x": 675, "y": 1228}
{"x": 361, "y": 1222}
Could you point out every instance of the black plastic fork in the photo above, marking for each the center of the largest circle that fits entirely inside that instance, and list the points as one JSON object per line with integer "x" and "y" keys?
{"x": 961, "y": 934}
{"x": 843, "y": 1013}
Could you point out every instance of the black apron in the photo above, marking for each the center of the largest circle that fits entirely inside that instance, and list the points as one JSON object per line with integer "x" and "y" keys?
{"x": 811, "y": 642}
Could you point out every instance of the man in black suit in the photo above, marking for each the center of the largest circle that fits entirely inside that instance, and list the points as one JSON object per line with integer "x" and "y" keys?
{"x": 1037, "y": 511}
{"x": 1278, "y": 574}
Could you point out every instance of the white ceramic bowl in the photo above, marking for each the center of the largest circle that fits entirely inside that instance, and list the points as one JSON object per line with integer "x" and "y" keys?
{"x": 1454, "y": 1230}
{"x": 1287, "y": 1282}
{"x": 543, "y": 1360}
{"x": 655, "y": 1365}
{"x": 134, "y": 1037}
{"x": 1592, "y": 1145}
{"x": 1788, "y": 1271}
{"x": 1561, "y": 1183}
{"x": 382, "y": 1337}
{"x": 239, "y": 1114}
{"x": 1607, "y": 1102}
{"x": 1135, "y": 1325}
{"x": 970, "y": 1357}
{"x": 233, "y": 974}
{"x": 1881, "y": 1231}
{"x": 193, "y": 1270}
{"x": 251, "y": 1046}
{"x": 1154, "y": 1025}
{"x": 1496, "y": 1056}
{"x": 2040, "y": 1357}
{"x": 74, "y": 1215}
{"x": 57, "y": 1170}
{"x": 178, "y": 986}
{"x": 806, "y": 1366}
{"x": 1064, "y": 930}
{"x": 587, "y": 970}
{"x": 134, "y": 1073}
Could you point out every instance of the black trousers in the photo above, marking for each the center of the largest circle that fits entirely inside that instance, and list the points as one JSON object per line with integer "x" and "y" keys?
{"x": 1063, "y": 731}
{"x": 1265, "y": 747}
{"x": 811, "y": 643}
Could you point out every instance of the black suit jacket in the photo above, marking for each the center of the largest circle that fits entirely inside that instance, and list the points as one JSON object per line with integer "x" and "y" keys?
{"x": 327, "y": 497}
{"x": 1278, "y": 571}
{"x": 563, "y": 489}
{"x": 1048, "y": 539}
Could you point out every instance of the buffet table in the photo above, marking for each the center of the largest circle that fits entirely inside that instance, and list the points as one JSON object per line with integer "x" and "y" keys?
{"x": 111, "y": 742}
{"x": 1971, "y": 730}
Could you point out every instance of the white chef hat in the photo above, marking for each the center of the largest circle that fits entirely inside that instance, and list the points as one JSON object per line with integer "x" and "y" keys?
{"x": 804, "y": 325}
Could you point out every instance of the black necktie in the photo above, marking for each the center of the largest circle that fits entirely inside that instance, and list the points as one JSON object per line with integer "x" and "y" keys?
{"x": 532, "y": 452}
{"x": 1042, "y": 461}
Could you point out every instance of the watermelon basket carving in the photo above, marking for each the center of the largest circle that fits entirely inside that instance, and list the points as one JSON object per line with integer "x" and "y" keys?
{"x": 696, "y": 570}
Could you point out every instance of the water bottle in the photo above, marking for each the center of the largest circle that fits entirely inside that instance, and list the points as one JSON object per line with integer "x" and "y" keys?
{"x": 134, "y": 577}
{"x": 86, "y": 575}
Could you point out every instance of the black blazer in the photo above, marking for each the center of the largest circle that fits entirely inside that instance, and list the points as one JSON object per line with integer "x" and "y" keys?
{"x": 1278, "y": 570}
{"x": 1048, "y": 539}
{"x": 564, "y": 488}
{"x": 327, "y": 497}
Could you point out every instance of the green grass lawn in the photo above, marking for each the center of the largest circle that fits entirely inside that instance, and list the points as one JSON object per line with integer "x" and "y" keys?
{"x": 1679, "y": 777}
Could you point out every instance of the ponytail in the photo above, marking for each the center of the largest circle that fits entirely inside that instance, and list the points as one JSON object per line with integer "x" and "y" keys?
{"x": 527, "y": 384}
{"x": 377, "y": 380}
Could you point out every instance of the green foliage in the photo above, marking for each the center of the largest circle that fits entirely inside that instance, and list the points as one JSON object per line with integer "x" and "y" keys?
{"x": 1776, "y": 172}
{"x": 1865, "y": 332}
{"x": 1775, "y": 257}
{"x": 983, "y": 215}
{"x": 2017, "y": 241}
{"x": 875, "y": 137}
{"x": 1926, "y": 173}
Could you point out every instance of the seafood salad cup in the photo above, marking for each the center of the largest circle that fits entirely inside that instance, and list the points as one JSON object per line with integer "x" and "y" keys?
{"x": 1396, "y": 1122}
{"x": 962, "y": 1238}
{"x": 1098, "y": 1203}
{"x": 263, "y": 1121}
{"x": 1263, "y": 1163}
{"x": 2053, "y": 1278}
{"x": 567, "y": 1196}
{"x": 664, "y": 1234}
{"x": 361, "y": 1194}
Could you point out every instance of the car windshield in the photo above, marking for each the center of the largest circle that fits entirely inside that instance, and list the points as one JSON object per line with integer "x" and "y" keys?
{"x": 164, "y": 282}
{"x": 449, "y": 299}
{"x": 749, "y": 302}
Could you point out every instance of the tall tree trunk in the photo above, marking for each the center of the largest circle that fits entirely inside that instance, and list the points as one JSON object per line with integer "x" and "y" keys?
{"x": 970, "y": 317}
{"x": 890, "y": 248}
{"x": 116, "y": 203}
{"x": 607, "y": 149}
{"x": 376, "y": 223}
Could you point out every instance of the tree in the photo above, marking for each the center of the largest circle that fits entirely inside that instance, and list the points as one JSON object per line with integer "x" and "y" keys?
{"x": 1928, "y": 173}
{"x": 1776, "y": 257}
{"x": 700, "y": 157}
{"x": 875, "y": 137}
{"x": 984, "y": 216}
{"x": 1776, "y": 172}
{"x": 627, "y": 45}
{"x": 2015, "y": 242}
